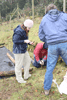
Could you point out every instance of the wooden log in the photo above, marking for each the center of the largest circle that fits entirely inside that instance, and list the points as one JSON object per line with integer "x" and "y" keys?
{"x": 9, "y": 73}
{"x": 2, "y": 44}
{"x": 10, "y": 57}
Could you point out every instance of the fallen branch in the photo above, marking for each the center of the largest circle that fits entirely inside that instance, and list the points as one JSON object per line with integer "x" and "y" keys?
{"x": 9, "y": 73}
{"x": 11, "y": 58}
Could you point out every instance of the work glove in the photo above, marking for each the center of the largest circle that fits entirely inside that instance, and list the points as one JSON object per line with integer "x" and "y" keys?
{"x": 41, "y": 62}
{"x": 27, "y": 41}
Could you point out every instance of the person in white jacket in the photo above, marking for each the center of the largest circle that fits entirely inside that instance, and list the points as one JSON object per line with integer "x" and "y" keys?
{"x": 22, "y": 58}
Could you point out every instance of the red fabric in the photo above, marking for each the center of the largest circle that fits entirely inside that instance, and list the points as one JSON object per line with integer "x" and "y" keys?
{"x": 39, "y": 52}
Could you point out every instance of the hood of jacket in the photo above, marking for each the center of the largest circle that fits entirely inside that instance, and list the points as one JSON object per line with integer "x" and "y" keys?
{"x": 17, "y": 28}
{"x": 53, "y": 15}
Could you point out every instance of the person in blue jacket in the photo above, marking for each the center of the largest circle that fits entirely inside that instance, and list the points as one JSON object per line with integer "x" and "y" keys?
{"x": 53, "y": 30}
{"x": 22, "y": 58}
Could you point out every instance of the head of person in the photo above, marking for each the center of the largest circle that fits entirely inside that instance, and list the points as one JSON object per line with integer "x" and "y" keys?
{"x": 50, "y": 7}
{"x": 45, "y": 46}
{"x": 28, "y": 23}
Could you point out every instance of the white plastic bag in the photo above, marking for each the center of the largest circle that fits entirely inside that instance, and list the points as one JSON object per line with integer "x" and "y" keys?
{"x": 62, "y": 88}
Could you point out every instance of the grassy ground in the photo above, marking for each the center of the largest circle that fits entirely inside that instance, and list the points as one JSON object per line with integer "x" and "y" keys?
{"x": 10, "y": 89}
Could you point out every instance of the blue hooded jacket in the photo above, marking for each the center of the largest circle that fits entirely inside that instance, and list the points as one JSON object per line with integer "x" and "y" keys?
{"x": 18, "y": 40}
{"x": 53, "y": 27}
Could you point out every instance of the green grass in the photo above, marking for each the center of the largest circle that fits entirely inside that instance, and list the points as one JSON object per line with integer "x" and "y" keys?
{"x": 10, "y": 89}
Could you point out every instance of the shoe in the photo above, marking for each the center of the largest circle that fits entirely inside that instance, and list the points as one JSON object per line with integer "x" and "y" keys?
{"x": 21, "y": 81}
{"x": 28, "y": 77}
{"x": 46, "y": 92}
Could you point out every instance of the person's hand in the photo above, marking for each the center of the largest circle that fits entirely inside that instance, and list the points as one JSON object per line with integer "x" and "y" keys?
{"x": 31, "y": 43}
{"x": 42, "y": 62}
{"x": 27, "y": 41}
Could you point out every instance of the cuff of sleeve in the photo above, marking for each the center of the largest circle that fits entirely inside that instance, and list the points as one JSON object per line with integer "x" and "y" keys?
{"x": 44, "y": 60}
{"x": 38, "y": 61}
{"x": 29, "y": 44}
{"x": 23, "y": 41}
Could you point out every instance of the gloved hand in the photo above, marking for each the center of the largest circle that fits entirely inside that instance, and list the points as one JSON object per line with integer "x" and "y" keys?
{"x": 42, "y": 62}
{"x": 26, "y": 41}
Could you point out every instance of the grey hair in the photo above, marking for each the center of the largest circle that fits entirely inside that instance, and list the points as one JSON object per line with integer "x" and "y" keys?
{"x": 51, "y": 6}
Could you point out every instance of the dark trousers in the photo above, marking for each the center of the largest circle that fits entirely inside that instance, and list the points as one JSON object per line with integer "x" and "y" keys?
{"x": 36, "y": 64}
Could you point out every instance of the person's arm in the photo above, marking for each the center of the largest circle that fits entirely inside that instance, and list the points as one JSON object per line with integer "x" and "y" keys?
{"x": 37, "y": 55}
{"x": 16, "y": 38}
{"x": 41, "y": 33}
{"x": 31, "y": 43}
{"x": 45, "y": 58}
{"x": 37, "y": 52}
